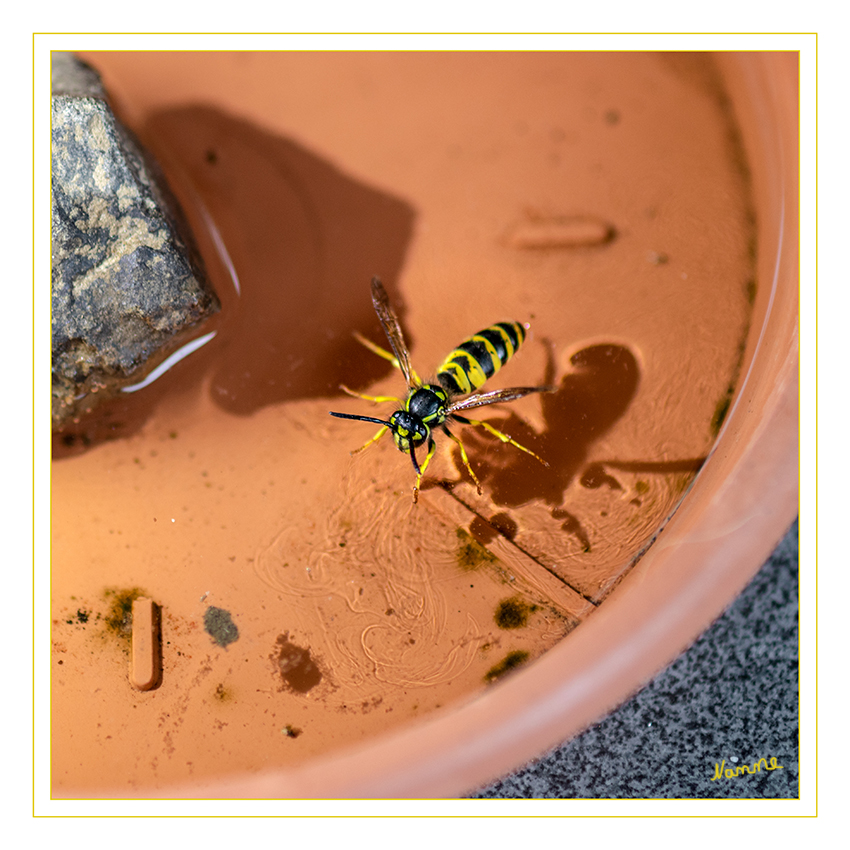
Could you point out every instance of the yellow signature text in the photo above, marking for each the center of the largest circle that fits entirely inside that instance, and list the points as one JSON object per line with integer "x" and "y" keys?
{"x": 743, "y": 769}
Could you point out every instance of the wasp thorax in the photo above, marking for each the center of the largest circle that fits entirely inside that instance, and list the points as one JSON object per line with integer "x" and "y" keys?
{"x": 429, "y": 404}
{"x": 408, "y": 430}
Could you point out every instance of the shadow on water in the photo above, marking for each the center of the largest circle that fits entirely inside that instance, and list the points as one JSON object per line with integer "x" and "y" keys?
{"x": 588, "y": 401}
{"x": 304, "y": 240}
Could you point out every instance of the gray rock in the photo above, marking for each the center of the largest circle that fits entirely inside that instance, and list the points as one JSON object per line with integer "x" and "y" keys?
{"x": 127, "y": 284}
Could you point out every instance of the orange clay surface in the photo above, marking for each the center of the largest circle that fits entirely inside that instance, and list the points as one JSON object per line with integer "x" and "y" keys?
{"x": 304, "y": 603}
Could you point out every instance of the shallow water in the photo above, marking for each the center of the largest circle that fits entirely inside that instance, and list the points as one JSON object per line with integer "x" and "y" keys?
{"x": 601, "y": 198}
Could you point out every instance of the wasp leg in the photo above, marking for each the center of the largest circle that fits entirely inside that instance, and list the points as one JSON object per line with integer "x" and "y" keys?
{"x": 376, "y": 349}
{"x": 420, "y": 471}
{"x": 373, "y": 440}
{"x": 375, "y": 398}
{"x": 465, "y": 458}
{"x": 382, "y": 352}
{"x": 503, "y": 437}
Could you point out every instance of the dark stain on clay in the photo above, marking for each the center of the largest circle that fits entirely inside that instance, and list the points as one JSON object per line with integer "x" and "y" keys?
{"x": 298, "y": 671}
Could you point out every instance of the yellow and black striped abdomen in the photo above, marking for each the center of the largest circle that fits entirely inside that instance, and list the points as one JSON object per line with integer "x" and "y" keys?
{"x": 480, "y": 357}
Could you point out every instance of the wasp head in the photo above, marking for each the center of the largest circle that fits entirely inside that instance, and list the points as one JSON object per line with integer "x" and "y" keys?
{"x": 408, "y": 429}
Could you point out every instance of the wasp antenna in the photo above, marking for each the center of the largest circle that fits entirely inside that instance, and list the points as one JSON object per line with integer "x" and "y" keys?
{"x": 360, "y": 418}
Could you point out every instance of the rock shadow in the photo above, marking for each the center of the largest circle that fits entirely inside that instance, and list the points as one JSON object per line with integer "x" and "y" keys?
{"x": 304, "y": 240}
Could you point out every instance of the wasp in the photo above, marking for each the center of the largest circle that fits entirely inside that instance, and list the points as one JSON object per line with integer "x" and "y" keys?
{"x": 429, "y": 406}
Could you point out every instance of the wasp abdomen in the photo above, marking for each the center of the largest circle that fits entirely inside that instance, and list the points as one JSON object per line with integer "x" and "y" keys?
{"x": 480, "y": 357}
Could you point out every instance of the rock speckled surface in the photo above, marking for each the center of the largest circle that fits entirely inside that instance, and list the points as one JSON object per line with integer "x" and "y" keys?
{"x": 127, "y": 285}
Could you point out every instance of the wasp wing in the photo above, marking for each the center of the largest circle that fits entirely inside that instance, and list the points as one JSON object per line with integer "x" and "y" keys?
{"x": 494, "y": 397}
{"x": 389, "y": 322}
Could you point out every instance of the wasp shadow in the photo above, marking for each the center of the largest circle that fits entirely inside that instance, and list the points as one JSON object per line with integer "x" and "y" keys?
{"x": 588, "y": 401}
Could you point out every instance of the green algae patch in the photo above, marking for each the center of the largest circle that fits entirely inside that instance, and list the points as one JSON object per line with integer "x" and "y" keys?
{"x": 119, "y": 617}
{"x": 510, "y": 662}
{"x": 470, "y": 553}
{"x": 513, "y": 613}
